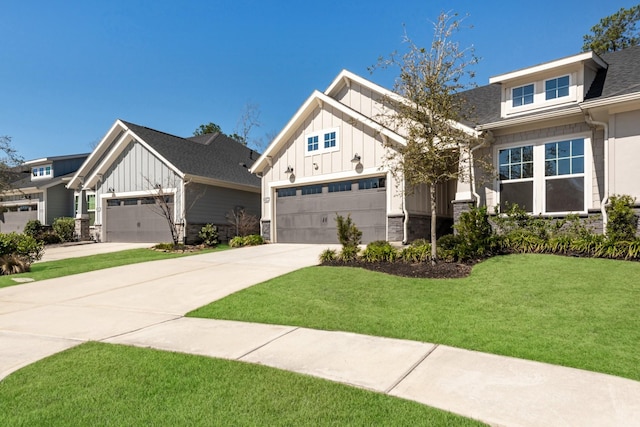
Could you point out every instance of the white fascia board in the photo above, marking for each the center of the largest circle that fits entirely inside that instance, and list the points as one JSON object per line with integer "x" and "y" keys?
{"x": 309, "y": 105}
{"x": 529, "y": 119}
{"x": 549, "y": 66}
{"x": 94, "y": 156}
{"x": 31, "y": 162}
{"x": 630, "y": 97}
{"x": 115, "y": 152}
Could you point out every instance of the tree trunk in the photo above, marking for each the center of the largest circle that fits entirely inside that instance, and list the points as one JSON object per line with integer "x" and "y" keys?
{"x": 432, "y": 196}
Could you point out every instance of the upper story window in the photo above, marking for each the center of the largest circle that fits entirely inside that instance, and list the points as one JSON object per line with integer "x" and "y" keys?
{"x": 556, "y": 88}
{"x": 522, "y": 95}
{"x": 41, "y": 172}
{"x": 323, "y": 141}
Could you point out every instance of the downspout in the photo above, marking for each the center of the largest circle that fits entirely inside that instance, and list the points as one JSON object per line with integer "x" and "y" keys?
{"x": 472, "y": 177}
{"x": 405, "y": 212}
{"x": 605, "y": 199}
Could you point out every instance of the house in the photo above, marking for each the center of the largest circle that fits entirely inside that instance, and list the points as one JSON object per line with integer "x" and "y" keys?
{"x": 330, "y": 159}
{"x": 41, "y": 193}
{"x": 562, "y": 136}
{"x": 201, "y": 179}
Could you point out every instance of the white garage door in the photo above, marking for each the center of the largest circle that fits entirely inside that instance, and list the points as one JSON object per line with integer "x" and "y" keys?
{"x": 306, "y": 214}
{"x": 14, "y": 218}
{"x": 136, "y": 220}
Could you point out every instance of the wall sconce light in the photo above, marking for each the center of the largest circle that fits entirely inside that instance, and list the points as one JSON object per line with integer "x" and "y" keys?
{"x": 289, "y": 170}
{"x": 158, "y": 185}
{"x": 315, "y": 166}
{"x": 356, "y": 158}
{"x": 112, "y": 190}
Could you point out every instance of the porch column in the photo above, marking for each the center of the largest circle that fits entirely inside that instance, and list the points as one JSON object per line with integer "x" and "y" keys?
{"x": 82, "y": 216}
{"x": 464, "y": 200}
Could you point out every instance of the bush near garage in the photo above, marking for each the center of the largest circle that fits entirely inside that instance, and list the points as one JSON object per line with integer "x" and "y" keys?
{"x": 65, "y": 228}
{"x": 40, "y": 232}
{"x": 250, "y": 240}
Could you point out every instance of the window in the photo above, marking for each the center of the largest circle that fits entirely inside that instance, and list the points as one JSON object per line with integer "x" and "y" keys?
{"x": 312, "y": 143}
{"x": 286, "y": 192}
{"x": 42, "y": 171}
{"x": 311, "y": 189}
{"x": 556, "y": 88}
{"x": 329, "y": 138}
{"x": 516, "y": 175}
{"x": 336, "y": 187}
{"x": 544, "y": 178}
{"x": 91, "y": 208}
{"x": 522, "y": 95}
{"x": 366, "y": 184}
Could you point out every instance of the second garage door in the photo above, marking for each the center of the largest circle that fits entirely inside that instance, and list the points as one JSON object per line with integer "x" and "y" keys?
{"x": 136, "y": 220}
{"x": 306, "y": 214}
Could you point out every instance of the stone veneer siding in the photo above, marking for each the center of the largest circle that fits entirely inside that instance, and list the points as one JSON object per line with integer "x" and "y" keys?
{"x": 82, "y": 229}
{"x": 266, "y": 230}
{"x": 419, "y": 227}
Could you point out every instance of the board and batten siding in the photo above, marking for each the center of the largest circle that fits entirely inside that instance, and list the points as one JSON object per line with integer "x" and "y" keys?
{"x": 60, "y": 203}
{"x": 207, "y": 204}
{"x": 624, "y": 152}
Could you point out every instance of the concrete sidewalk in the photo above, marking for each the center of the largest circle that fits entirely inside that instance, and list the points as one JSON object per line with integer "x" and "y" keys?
{"x": 143, "y": 305}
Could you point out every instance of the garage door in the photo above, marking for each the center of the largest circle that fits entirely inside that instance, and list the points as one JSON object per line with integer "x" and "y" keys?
{"x": 136, "y": 220}
{"x": 306, "y": 214}
{"x": 16, "y": 217}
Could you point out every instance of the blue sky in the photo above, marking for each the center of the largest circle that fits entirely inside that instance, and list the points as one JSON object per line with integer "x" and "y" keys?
{"x": 69, "y": 69}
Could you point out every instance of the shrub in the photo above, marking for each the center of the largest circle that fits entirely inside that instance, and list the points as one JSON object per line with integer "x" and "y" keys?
{"x": 26, "y": 247}
{"x": 170, "y": 247}
{"x": 65, "y": 228}
{"x": 349, "y": 253}
{"x": 348, "y": 233}
{"x": 13, "y": 264}
{"x": 474, "y": 234}
{"x": 243, "y": 223}
{"x": 236, "y": 242}
{"x": 418, "y": 251}
{"x": 209, "y": 235}
{"x": 253, "y": 240}
{"x": 34, "y": 228}
{"x": 622, "y": 224}
{"x": 379, "y": 251}
{"x": 328, "y": 255}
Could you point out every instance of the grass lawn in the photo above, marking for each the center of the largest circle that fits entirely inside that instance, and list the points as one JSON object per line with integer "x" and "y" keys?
{"x": 101, "y": 384}
{"x": 574, "y": 312}
{"x": 66, "y": 267}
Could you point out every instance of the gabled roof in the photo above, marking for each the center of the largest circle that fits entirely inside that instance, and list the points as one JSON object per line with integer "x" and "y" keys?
{"x": 52, "y": 159}
{"x": 212, "y": 156}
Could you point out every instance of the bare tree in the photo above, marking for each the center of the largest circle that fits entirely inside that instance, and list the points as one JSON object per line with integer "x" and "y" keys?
{"x": 243, "y": 222}
{"x": 428, "y": 110}
{"x": 8, "y": 163}
{"x": 249, "y": 119}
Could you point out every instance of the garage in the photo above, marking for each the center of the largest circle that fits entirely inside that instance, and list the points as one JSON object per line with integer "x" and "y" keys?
{"x": 136, "y": 220}
{"x": 306, "y": 214}
{"x": 14, "y": 218}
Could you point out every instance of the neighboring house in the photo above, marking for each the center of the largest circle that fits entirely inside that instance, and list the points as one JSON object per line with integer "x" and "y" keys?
{"x": 330, "y": 159}
{"x": 203, "y": 178}
{"x": 41, "y": 193}
{"x": 562, "y": 136}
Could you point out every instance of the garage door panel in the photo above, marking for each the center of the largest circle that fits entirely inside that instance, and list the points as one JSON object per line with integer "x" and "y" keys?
{"x": 311, "y": 218}
{"x": 16, "y": 221}
{"x": 141, "y": 223}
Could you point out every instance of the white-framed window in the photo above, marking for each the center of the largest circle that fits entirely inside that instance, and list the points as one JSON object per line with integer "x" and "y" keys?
{"x": 522, "y": 95}
{"x": 91, "y": 209}
{"x": 326, "y": 140}
{"x": 556, "y": 88}
{"x": 545, "y": 177}
{"x": 45, "y": 171}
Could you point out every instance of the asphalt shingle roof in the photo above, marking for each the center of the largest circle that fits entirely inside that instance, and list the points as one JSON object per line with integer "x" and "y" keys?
{"x": 213, "y": 156}
{"x": 622, "y": 77}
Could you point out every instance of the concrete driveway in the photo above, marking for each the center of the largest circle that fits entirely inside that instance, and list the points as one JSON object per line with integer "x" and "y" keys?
{"x": 79, "y": 249}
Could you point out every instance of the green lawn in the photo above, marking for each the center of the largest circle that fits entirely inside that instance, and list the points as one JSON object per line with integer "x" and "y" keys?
{"x": 575, "y": 312}
{"x": 101, "y": 384}
{"x": 66, "y": 267}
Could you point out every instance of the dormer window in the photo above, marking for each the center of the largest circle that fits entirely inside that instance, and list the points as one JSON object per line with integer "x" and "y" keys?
{"x": 556, "y": 88}
{"x": 522, "y": 95}
{"x": 41, "y": 172}
{"x": 322, "y": 142}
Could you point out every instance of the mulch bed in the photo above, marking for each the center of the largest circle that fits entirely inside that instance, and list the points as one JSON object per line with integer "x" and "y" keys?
{"x": 441, "y": 270}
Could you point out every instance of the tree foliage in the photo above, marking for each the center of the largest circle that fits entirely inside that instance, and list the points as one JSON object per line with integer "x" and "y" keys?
{"x": 8, "y": 163}
{"x": 428, "y": 111}
{"x": 614, "y": 32}
{"x": 207, "y": 129}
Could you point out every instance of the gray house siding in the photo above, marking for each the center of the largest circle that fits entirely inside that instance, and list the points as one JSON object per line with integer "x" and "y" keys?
{"x": 59, "y": 203}
{"x": 208, "y": 204}
{"x": 63, "y": 167}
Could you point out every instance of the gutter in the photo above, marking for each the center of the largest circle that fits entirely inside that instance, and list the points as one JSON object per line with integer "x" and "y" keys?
{"x": 605, "y": 199}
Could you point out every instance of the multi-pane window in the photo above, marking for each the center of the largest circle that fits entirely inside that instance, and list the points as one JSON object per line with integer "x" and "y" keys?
{"x": 335, "y": 187}
{"x": 91, "y": 208}
{"x": 311, "y": 189}
{"x": 544, "y": 178}
{"x": 522, "y": 95}
{"x": 516, "y": 176}
{"x": 41, "y": 171}
{"x": 286, "y": 192}
{"x": 312, "y": 143}
{"x": 556, "y": 88}
{"x": 329, "y": 140}
{"x": 366, "y": 184}
{"x": 564, "y": 175}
